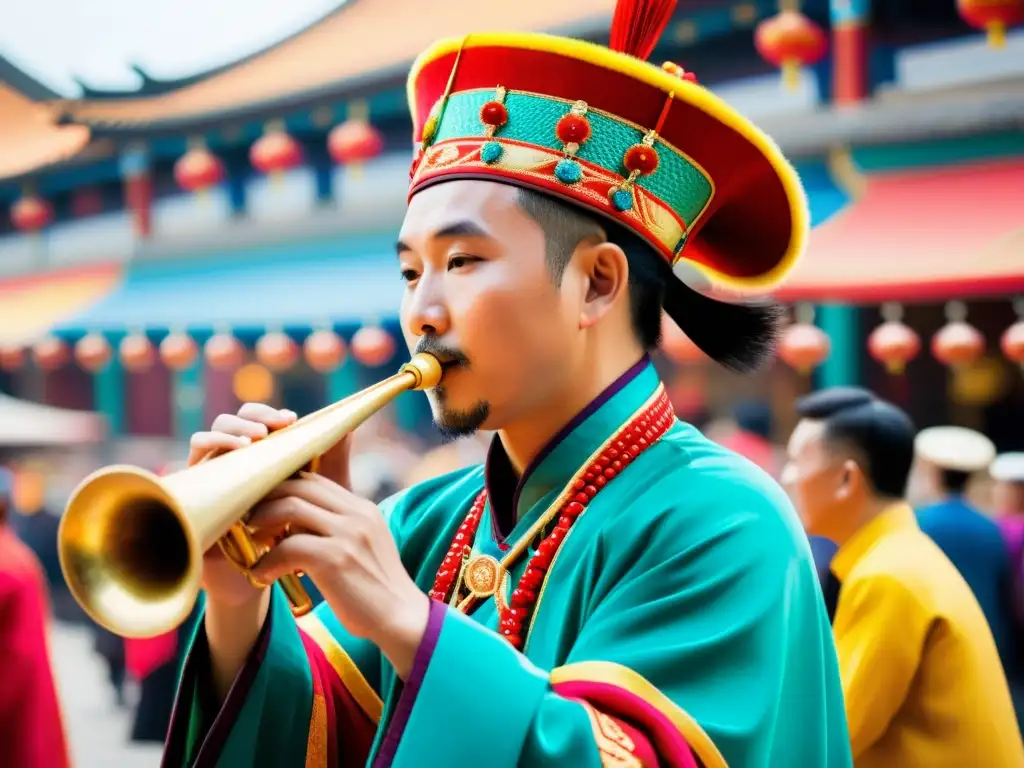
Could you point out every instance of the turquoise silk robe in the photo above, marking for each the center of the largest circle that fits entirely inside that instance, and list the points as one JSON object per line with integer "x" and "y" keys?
{"x": 680, "y": 624}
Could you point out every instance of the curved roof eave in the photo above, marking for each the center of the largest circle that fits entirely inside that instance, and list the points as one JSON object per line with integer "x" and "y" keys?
{"x": 333, "y": 57}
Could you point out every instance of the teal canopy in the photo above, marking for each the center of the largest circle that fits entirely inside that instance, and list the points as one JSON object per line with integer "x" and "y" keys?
{"x": 291, "y": 286}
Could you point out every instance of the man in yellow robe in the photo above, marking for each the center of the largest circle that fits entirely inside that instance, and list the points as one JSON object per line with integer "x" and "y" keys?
{"x": 920, "y": 672}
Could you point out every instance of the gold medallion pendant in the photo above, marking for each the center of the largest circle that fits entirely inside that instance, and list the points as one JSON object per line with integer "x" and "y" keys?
{"x": 482, "y": 576}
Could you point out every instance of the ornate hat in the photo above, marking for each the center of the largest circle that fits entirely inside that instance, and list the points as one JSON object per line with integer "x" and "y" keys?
{"x": 955, "y": 448}
{"x": 643, "y": 145}
{"x": 1008, "y": 468}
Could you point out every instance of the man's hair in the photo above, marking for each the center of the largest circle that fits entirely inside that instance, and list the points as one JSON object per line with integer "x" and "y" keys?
{"x": 565, "y": 227}
{"x": 737, "y": 336}
{"x": 878, "y": 434}
{"x": 955, "y": 481}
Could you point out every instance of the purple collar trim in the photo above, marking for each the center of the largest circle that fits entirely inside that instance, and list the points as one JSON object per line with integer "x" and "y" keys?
{"x": 499, "y": 476}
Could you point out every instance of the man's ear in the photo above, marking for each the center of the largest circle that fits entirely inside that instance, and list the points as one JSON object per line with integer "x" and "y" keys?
{"x": 853, "y": 479}
{"x": 605, "y": 273}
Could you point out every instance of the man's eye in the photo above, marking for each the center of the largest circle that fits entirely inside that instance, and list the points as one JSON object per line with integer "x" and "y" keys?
{"x": 408, "y": 275}
{"x": 461, "y": 261}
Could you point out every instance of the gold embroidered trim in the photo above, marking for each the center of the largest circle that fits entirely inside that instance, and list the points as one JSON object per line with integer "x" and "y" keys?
{"x": 316, "y": 743}
{"x": 351, "y": 677}
{"x": 616, "y": 748}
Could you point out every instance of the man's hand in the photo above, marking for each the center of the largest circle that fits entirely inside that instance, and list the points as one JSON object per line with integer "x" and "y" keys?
{"x": 345, "y": 546}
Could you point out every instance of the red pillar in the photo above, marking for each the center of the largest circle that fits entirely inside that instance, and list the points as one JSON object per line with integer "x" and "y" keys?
{"x": 138, "y": 189}
{"x": 849, "y": 51}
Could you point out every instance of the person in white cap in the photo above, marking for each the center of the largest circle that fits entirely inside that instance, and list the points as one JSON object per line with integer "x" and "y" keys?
{"x": 969, "y": 538}
{"x": 1008, "y": 501}
{"x": 1008, "y": 497}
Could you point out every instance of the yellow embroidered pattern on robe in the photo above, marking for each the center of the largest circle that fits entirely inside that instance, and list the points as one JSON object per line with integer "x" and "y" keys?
{"x": 316, "y": 742}
{"x": 616, "y": 748}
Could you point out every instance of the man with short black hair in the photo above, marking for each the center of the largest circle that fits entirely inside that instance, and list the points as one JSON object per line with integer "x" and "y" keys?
{"x": 921, "y": 675}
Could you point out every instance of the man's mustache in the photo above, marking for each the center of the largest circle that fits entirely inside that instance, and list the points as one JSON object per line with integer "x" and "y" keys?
{"x": 449, "y": 356}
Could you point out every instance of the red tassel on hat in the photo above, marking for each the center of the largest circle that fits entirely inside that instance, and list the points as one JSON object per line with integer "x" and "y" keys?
{"x": 638, "y": 24}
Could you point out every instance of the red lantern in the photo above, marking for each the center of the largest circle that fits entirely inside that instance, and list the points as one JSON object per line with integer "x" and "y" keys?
{"x": 198, "y": 169}
{"x": 324, "y": 351}
{"x": 50, "y": 354}
{"x": 93, "y": 352}
{"x": 804, "y": 347}
{"x": 677, "y": 346}
{"x": 12, "y": 359}
{"x": 1012, "y": 343}
{"x": 223, "y": 351}
{"x": 372, "y": 346}
{"x": 277, "y": 351}
{"x": 894, "y": 344}
{"x": 790, "y": 40}
{"x": 994, "y": 16}
{"x": 178, "y": 351}
{"x": 354, "y": 141}
{"x": 31, "y": 213}
{"x": 957, "y": 343}
{"x": 136, "y": 353}
{"x": 275, "y": 152}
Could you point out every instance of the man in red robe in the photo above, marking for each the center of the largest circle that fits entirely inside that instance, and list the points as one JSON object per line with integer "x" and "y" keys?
{"x": 31, "y": 731}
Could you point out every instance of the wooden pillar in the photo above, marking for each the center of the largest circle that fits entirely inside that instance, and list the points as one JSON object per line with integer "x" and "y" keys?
{"x": 850, "y": 22}
{"x": 138, "y": 189}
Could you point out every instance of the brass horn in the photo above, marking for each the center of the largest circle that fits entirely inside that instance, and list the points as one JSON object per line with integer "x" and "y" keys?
{"x": 131, "y": 543}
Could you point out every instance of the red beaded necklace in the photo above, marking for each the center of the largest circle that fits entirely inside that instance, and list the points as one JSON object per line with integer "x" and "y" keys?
{"x": 483, "y": 574}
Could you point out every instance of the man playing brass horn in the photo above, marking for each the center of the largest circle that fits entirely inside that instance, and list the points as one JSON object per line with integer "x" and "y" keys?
{"x": 610, "y": 588}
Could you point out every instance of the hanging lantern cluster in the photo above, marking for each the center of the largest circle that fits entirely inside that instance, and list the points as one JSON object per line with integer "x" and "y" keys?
{"x": 804, "y": 346}
{"x": 894, "y": 343}
{"x": 30, "y": 213}
{"x": 993, "y": 16}
{"x": 790, "y": 41}
{"x": 350, "y": 143}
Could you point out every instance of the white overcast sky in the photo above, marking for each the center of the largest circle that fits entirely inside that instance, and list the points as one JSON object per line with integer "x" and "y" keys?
{"x": 97, "y": 40}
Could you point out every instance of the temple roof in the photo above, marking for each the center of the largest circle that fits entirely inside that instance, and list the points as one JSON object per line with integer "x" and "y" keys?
{"x": 361, "y": 42}
{"x": 29, "y": 136}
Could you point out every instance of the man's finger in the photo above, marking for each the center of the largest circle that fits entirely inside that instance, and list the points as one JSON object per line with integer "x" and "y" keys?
{"x": 264, "y": 414}
{"x": 236, "y": 425}
{"x": 275, "y": 514}
{"x": 323, "y": 493}
{"x": 300, "y": 552}
{"x": 205, "y": 444}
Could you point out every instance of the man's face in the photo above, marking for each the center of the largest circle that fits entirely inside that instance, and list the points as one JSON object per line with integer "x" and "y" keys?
{"x": 815, "y": 479}
{"x": 1008, "y": 498}
{"x": 479, "y": 293}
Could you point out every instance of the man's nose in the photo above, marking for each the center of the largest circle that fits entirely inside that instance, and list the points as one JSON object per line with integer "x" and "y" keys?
{"x": 428, "y": 314}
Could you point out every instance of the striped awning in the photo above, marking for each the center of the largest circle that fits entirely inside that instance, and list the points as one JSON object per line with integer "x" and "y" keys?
{"x": 30, "y": 307}
{"x": 296, "y": 285}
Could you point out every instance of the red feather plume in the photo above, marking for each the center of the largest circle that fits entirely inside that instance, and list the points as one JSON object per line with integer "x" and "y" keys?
{"x": 638, "y": 24}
